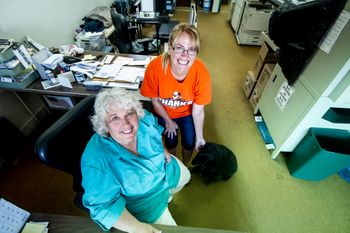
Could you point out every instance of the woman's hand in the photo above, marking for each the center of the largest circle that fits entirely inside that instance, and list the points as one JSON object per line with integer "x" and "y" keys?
{"x": 167, "y": 156}
{"x": 170, "y": 128}
{"x": 144, "y": 228}
{"x": 128, "y": 223}
{"x": 200, "y": 142}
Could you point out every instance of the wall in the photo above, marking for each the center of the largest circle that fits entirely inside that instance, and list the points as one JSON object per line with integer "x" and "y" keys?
{"x": 49, "y": 22}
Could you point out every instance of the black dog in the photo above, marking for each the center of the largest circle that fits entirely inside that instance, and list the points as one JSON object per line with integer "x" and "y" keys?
{"x": 214, "y": 162}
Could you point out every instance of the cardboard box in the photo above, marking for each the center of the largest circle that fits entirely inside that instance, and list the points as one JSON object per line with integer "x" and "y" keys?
{"x": 254, "y": 98}
{"x": 249, "y": 83}
{"x": 266, "y": 55}
{"x": 265, "y": 74}
{"x": 261, "y": 84}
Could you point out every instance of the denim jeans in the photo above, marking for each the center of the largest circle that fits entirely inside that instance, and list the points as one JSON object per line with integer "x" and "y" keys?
{"x": 188, "y": 134}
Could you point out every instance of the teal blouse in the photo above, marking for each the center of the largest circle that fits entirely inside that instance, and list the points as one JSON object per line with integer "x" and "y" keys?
{"x": 114, "y": 178}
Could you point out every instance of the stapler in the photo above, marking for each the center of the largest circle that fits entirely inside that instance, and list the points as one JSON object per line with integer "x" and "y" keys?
{"x": 70, "y": 59}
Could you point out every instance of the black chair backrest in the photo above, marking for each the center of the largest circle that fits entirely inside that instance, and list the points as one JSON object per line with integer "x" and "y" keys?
{"x": 62, "y": 144}
{"x": 123, "y": 40}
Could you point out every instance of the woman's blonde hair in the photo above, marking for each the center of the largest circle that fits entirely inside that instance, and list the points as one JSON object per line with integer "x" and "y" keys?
{"x": 113, "y": 98}
{"x": 190, "y": 30}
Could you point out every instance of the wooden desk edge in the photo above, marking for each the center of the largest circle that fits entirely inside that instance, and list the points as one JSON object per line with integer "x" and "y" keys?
{"x": 71, "y": 224}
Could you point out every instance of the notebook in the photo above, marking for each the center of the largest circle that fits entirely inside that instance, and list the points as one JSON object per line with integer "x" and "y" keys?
{"x": 12, "y": 217}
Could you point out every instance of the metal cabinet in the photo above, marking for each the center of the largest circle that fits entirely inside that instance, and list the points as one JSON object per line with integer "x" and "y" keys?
{"x": 281, "y": 121}
{"x": 323, "y": 85}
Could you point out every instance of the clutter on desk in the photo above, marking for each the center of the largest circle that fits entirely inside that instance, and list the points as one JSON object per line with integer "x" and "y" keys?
{"x": 15, "y": 65}
{"x": 18, "y": 65}
{"x": 93, "y": 41}
{"x": 71, "y": 50}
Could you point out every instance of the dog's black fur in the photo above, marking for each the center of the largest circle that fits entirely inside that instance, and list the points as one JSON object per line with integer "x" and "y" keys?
{"x": 214, "y": 162}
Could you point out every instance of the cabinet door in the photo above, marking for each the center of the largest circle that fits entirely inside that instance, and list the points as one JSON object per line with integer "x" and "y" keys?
{"x": 281, "y": 122}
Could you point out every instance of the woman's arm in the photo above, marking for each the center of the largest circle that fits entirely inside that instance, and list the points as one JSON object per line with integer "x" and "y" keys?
{"x": 128, "y": 223}
{"x": 198, "y": 120}
{"x": 170, "y": 125}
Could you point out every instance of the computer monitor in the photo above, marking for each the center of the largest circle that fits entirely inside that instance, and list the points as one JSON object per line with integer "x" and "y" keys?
{"x": 147, "y": 5}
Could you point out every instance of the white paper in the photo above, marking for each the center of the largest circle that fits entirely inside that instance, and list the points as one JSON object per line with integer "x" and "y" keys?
{"x": 130, "y": 86}
{"x": 108, "y": 71}
{"x": 140, "y": 62}
{"x": 283, "y": 95}
{"x": 69, "y": 75}
{"x": 34, "y": 43}
{"x": 123, "y": 60}
{"x": 23, "y": 56}
{"x": 65, "y": 82}
{"x": 88, "y": 68}
{"x": 51, "y": 62}
{"x": 108, "y": 59}
{"x": 47, "y": 84}
{"x": 333, "y": 33}
{"x": 129, "y": 74}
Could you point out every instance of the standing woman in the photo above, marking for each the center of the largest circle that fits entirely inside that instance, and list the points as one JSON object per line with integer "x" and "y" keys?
{"x": 178, "y": 84}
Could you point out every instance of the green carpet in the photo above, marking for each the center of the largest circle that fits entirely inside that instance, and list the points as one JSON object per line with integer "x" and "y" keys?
{"x": 261, "y": 197}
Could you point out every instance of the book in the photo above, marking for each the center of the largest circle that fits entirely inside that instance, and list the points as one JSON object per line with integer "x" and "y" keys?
{"x": 12, "y": 217}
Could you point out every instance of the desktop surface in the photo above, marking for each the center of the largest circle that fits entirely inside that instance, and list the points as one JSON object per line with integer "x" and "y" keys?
{"x": 75, "y": 224}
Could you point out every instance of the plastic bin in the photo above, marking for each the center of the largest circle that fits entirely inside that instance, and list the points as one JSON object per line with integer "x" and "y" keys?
{"x": 345, "y": 174}
{"x": 320, "y": 154}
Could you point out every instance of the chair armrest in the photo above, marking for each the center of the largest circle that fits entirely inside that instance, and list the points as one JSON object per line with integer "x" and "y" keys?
{"x": 63, "y": 143}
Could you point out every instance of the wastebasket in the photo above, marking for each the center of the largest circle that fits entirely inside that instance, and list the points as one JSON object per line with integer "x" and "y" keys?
{"x": 345, "y": 174}
{"x": 321, "y": 153}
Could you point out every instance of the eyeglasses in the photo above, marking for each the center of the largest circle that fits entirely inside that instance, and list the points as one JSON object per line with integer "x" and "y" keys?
{"x": 181, "y": 50}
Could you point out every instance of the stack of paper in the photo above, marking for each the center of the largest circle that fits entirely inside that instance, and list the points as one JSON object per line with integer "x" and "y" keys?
{"x": 129, "y": 74}
{"x": 36, "y": 227}
{"x": 108, "y": 71}
{"x": 125, "y": 72}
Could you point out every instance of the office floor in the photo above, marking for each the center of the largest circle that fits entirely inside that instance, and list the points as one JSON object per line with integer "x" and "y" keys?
{"x": 261, "y": 197}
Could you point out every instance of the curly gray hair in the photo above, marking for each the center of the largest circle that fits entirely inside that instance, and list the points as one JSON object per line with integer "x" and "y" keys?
{"x": 116, "y": 98}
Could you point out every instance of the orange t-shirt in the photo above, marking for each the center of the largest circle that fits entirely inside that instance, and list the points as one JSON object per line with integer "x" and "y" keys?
{"x": 177, "y": 97}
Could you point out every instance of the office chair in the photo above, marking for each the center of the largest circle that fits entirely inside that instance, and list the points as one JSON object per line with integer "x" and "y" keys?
{"x": 123, "y": 32}
{"x": 62, "y": 144}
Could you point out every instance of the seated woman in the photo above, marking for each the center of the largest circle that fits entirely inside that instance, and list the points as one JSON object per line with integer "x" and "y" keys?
{"x": 128, "y": 175}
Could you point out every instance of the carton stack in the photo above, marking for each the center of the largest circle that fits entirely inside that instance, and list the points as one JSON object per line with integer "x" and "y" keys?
{"x": 261, "y": 84}
{"x": 262, "y": 68}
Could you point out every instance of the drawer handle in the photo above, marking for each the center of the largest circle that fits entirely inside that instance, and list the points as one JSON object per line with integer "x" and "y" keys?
{"x": 274, "y": 78}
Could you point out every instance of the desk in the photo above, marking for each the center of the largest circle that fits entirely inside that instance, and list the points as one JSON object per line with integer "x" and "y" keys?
{"x": 73, "y": 224}
{"x": 78, "y": 90}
